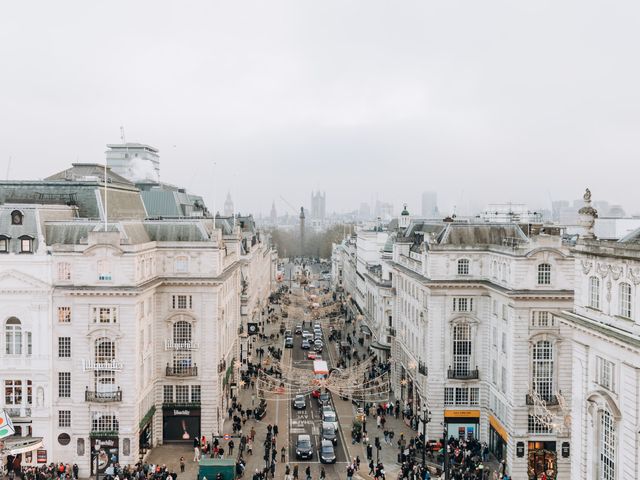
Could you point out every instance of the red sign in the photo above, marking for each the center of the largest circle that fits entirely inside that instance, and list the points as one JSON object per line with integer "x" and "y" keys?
{"x": 226, "y": 436}
{"x": 41, "y": 455}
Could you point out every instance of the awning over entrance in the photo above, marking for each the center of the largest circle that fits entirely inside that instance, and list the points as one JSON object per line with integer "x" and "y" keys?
{"x": 378, "y": 346}
{"x": 365, "y": 329}
{"x": 18, "y": 445}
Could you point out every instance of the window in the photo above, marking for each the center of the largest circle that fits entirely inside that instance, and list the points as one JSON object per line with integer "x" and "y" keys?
{"x": 607, "y": 446}
{"x": 494, "y": 336}
{"x": 181, "y": 345}
{"x": 101, "y": 422}
{"x": 64, "y": 384}
{"x": 64, "y": 315}
{"x": 196, "y": 395}
{"x": 13, "y": 336}
{"x": 504, "y": 342}
{"x": 64, "y": 271}
{"x": 542, "y": 319}
{"x": 4, "y": 244}
{"x": 462, "y": 304}
{"x": 13, "y": 392}
{"x": 167, "y": 396}
{"x": 26, "y": 244}
{"x": 29, "y": 343}
{"x": 64, "y": 347}
{"x": 605, "y": 373}
{"x": 104, "y": 270}
{"x": 181, "y": 302}
{"x": 182, "y": 264}
{"x": 105, "y": 315}
{"x": 594, "y": 292}
{"x": 16, "y": 217}
{"x": 449, "y": 395}
{"x": 461, "y": 349}
{"x": 494, "y": 372}
{"x": 537, "y": 425}
{"x": 542, "y": 369}
{"x": 503, "y": 272}
{"x": 505, "y": 311}
{"x": 494, "y": 307}
{"x": 461, "y": 396}
{"x": 182, "y": 394}
{"x": 64, "y": 418}
{"x": 624, "y": 300}
{"x": 463, "y": 266}
{"x": 503, "y": 381}
{"x": 544, "y": 274}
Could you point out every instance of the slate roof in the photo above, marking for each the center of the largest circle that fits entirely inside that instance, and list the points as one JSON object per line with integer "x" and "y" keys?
{"x": 80, "y": 170}
{"x": 480, "y": 234}
{"x": 633, "y": 237}
{"x": 29, "y": 227}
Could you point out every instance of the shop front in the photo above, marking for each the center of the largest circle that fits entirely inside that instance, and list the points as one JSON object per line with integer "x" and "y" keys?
{"x": 105, "y": 453}
{"x": 180, "y": 424}
{"x": 542, "y": 458}
{"x": 462, "y": 424}
{"x": 145, "y": 438}
{"x": 498, "y": 438}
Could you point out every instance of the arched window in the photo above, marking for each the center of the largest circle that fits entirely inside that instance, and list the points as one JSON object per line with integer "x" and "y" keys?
{"x": 182, "y": 346}
{"x": 594, "y": 292}
{"x": 544, "y": 274}
{"x": 16, "y": 217}
{"x": 461, "y": 350}
{"x": 463, "y": 266}
{"x": 105, "y": 377}
{"x": 607, "y": 446}
{"x": 13, "y": 336}
{"x": 542, "y": 369}
{"x": 624, "y": 300}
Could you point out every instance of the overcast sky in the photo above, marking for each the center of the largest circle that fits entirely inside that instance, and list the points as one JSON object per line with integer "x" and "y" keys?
{"x": 482, "y": 101}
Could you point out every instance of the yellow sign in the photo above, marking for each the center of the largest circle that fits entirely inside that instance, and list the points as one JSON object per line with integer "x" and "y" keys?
{"x": 462, "y": 413}
{"x": 497, "y": 426}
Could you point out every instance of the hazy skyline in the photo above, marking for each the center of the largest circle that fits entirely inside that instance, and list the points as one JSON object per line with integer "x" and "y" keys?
{"x": 483, "y": 102}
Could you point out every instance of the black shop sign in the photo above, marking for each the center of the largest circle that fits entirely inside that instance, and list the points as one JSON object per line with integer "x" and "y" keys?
{"x": 107, "y": 451}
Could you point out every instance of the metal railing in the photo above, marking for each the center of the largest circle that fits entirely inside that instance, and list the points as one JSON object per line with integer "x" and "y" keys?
{"x": 182, "y": 371}
{"x": 102, "y": 397}
{"x": 548, "y": 400}
{"x": 463, "y": 375}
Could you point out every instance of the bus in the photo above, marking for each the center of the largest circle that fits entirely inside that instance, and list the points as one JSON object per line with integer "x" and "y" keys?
{"x": 320, "y": 369}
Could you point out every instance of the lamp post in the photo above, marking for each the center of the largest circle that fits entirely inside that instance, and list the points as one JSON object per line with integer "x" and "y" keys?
{"x": 426, "y": 418}
{"x": 446, "y": 452}
{"x": 96, "y": 449}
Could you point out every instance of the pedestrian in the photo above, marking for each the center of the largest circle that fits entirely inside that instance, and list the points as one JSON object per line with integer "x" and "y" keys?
{"x": 371, "y": 467}
{"x": 196, "y": 453}
{"x": 349, "y": 472}
{"x": 275, "y": 430}
{"x": 283, "y": 454}
{"x": 357, "y": 462}
{"x": 322, "y": 474}
{"x": 307, "y": 472}
{"x": 231, "y": 445}
{"x": 378, "y": 421}
{"x": 182, "y": 464}
{"x": 295, "y": 472}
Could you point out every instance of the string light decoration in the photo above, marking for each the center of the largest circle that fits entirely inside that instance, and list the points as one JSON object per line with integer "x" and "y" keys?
{"x": 557, "y": 420}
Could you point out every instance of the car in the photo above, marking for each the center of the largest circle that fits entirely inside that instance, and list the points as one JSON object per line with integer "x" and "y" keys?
{"x": 298, "y": 329}
{"x": 327, "y": 453}
{"x": 287, "y": 333}
{"x": 299, "y": 403}
{"x": 261, "y": 410}
{"x": 329, "y": 416}
{"x": 288, "y": 342}
{"x": 319, "y": 342}
{"x": 317, "y": 326}
{"x": 329, "y": 433}
{"x": 323, "y": 399}
{"x": 314, "y": 356}
{"x": 305, "y": 344}
{"x": 317, "y": 347}
{"x": 303, "y": 447}
{"x": 308, "y": 337}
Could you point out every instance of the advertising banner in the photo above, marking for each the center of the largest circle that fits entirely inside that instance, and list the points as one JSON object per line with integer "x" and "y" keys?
{"x": 107, "y": 451}
{"x": 181, "y": 424}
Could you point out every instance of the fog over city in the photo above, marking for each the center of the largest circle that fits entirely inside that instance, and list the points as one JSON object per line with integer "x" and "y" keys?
{"x": 482, "y": 102}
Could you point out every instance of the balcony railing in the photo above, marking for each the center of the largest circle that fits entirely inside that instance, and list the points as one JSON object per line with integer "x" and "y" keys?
{"x": 422, "y": 368}
{"x": 550, "y": 400}
{"x": 463, "y": 375}
{"x": 182, "y": 371}
{"x": 102, "y": 397}
{"x": 19, "y": 412}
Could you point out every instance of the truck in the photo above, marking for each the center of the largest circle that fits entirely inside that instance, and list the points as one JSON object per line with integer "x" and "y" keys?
{"x": 217, "y": 469}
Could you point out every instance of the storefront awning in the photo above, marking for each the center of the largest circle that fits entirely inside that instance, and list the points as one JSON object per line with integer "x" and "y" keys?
{"x": 17, "y": 445}
{"x": 378, "y": 346}
{"x": 365, "y": 329}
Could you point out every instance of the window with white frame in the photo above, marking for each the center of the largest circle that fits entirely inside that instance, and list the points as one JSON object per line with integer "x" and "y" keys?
{"x": 182, "y": 338}
{"x": 461, "y": 349}
{"x": 182, "y": 264}
{"x": 104, "y": 422}
{"x": 607, "y": 446}
{"x": 13, "y": 392}
{"x": 462, "y": 304}
{"x": 505, "y": 311}
{"x": 594, "y": 292}
{"x": 182, "y": 394}
{"x": 449, "y": 396}
{"x": 542, "y": 368}
{"x": 542, "y": 319}
{"x": 64, "y": 418}
{"x": 4, "y": 244}
{"x": 105, "y": 352}
{"x": 64, "y": 271}
{"x": 64, "y": 347}
{"x": 461, "y": 396}
{"x": 605, "y": 373}
{"x": 624, "y": 300}
{"x": 544, "y": 274}
{"x": 167, "y": 396}
{"x": 536, "y": 425}
{"x": 26, "y": 244}
{"x": 196, "y": 394}
{"x": 64, "y": 315}
{"x": 64, "y": 384}
{"x": 105, "y": 314}
{"x": 181, "y": 302}
{"x": 13, "y": 336}
{"x": 463, "y": 266}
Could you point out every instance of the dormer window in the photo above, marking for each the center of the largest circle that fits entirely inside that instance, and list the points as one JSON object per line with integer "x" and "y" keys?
{"x": 4, "y": 244}
{"x": 26, "y": 244}
{"x": 16, "y": 217}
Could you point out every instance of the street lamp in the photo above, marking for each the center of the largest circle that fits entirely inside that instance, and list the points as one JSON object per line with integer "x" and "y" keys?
{"x": 426, "y": 418}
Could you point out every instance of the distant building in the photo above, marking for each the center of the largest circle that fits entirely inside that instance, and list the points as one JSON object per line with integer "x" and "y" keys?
{"x": 384, "y": 210}
{"x": 318, "y": 205}
{"x": 509, "y": 213}
{"x": 365, "y": 211}
{"x": 228, "y": 206}
{"x": 273, "y": 216}
{"x": 430, "y": 205}
{"x": 134, "y": 161}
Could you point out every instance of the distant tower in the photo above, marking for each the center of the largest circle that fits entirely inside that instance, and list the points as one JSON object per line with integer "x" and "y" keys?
{"x": 430, "y": 205}
{"x": 301, "y": 230}
{"x": 228, "y": 206}
{"x": 405, "y": 218}
{"x": 318, "y": 204}
{"x": 274, "y": 214}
